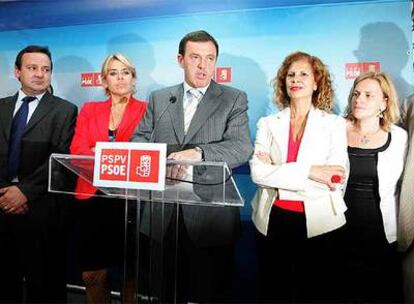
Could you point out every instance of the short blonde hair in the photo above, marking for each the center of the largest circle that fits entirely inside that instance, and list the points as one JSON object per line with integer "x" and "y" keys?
{"x": 391, "y": 114}
{"x": 322, "y": 98}
{"x": 121, "y": 58}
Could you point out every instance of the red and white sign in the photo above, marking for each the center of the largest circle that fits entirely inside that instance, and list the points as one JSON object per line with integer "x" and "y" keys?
{"x": 353, "y": 70}
{"x": 91, "y": 79}
{"x": 223, "y": 74}
{"x": 130, "y": 165}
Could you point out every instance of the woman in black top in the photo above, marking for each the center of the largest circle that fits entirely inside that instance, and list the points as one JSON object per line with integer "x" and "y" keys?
{"x": 376, "y": 149}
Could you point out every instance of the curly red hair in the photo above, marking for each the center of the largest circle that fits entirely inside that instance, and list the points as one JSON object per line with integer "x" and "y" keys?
{"x": 322, "y": 98}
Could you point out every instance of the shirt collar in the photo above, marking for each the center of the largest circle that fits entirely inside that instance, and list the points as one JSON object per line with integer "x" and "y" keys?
{"x": 188, "y": 87}
{"x": 23, "y": 95}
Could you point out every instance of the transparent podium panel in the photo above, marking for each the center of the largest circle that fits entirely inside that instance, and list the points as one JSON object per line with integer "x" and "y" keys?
{"x": 156, "y": 220}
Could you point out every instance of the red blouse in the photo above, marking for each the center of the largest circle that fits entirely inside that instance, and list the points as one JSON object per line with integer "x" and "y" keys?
{"x": 293, "y": 149}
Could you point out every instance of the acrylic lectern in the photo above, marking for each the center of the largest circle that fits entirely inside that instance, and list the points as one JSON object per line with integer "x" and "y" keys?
{"x": 149, "y": 214}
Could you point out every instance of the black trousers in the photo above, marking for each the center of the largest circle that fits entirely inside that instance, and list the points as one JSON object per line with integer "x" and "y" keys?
{"x": 291, "y": 267}
{"x": 180, "y": 270}
{"x": 33, "y": 254}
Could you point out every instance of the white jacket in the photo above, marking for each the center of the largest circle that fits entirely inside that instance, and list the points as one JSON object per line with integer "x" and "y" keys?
{"x": 390, "y": 167}
{"x": 324, "y": 142}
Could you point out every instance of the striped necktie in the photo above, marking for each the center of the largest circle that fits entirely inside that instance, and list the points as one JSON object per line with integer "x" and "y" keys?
{"x": 194, "y": 97}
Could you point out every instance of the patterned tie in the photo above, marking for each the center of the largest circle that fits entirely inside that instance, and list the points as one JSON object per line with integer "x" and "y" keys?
{"x": 16, "y": 134}
{"x": 189, "y": 111}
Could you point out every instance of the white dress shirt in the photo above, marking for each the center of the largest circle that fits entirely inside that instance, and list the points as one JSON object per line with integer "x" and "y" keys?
{"x": 32, "y": 105}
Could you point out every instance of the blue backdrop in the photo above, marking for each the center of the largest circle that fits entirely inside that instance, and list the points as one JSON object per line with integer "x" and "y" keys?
{"x": 253, "y": 43}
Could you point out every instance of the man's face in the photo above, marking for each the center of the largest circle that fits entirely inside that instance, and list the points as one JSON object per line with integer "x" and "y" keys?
{"x": 34, "y": 74}
{"x": 198, "y": 62}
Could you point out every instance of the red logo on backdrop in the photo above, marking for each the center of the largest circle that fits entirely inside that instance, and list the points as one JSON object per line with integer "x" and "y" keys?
{"x": 114, "y": 164}
{"x": 223, "y": 74}
{"x": 144, "y": 166}
{"x": 353, "y": 70}
{"x": 86, "y": 79}
{"x": 91, "y": 80}
{"x": 97, "y": 79}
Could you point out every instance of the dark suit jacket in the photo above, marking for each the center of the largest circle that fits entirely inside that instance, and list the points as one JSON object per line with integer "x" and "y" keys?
{"x": 220, "y": 128}
{"x": 92, "y": 126}
{"x": 49, "y": 130}
{"x": 37, "y": 239}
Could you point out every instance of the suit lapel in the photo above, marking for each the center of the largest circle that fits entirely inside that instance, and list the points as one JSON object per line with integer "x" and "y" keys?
{"x": 281, "y": 129}
{"x": 176, "y": 112}
{"x": 45, "y": 105}
{"x": 308, "y": 137}
{"x": 102, "y": 120}
{"x": 208, "y": 105}
{"x": 409, "y": 170}
{"x": 128, "y": 120}
{"x": 6, "y": 114}
{"x": 406, "y": 209}
{"x": 280, "y": 132}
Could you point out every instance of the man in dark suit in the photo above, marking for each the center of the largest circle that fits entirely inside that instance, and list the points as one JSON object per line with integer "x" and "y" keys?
{"x": 33, "y": 124}
{"x": 200, "y": 120}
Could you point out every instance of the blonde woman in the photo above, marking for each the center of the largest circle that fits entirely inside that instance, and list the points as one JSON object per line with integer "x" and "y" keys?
{"x": 299, "y": 164}
{"x": 376, "y": 154}
{"x": 102, "y": 220}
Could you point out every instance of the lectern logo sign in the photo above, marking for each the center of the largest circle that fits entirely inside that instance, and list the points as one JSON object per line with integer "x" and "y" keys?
{"x": 130, "y": 165}
{"x": 114, "y": 164}
{"x": 144, "y": 166}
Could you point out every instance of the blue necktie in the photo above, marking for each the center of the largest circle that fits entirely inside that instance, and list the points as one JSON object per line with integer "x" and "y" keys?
{"x": 16, "y": 134}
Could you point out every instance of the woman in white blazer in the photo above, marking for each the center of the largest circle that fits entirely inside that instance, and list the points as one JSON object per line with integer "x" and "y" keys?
{"x": 299, "y": 165}
{"x": 376, "y": 153}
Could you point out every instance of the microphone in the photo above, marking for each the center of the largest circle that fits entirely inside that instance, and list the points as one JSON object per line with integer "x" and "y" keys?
{"x": 172, "y": 100}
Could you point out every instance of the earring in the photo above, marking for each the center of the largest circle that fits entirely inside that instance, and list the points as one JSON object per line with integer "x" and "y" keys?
{"x": 380, "y": 115}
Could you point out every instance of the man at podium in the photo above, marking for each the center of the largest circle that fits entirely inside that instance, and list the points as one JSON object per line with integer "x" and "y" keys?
{"x": 200, "y": 120}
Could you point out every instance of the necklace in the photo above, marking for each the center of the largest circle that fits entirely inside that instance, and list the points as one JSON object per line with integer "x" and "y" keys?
{"x": 300, "y": 127}
{"x": 366, "y": 138}
{"x": 116, "y": 114}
